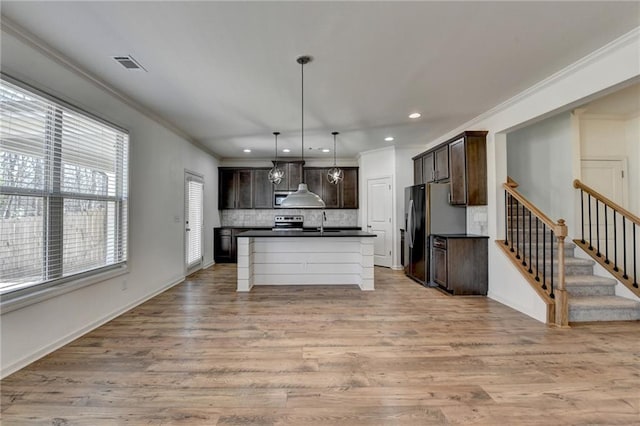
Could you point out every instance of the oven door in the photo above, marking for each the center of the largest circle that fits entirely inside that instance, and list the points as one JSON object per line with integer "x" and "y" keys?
{"x": 278, "y": 196}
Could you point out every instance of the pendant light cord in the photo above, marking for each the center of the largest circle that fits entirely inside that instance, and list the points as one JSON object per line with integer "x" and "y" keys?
{"x": 302, "y": 115}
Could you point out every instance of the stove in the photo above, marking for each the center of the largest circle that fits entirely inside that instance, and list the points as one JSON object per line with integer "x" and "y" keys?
{"x": 288, "y": 223}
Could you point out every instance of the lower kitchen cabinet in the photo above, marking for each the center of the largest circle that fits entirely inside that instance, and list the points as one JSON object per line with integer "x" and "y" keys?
{"x": 459, "y": 263}
{"x": 224, "y": 245}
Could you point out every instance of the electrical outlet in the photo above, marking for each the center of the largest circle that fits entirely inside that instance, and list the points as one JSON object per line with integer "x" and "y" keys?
{"x": 124, "y": 285}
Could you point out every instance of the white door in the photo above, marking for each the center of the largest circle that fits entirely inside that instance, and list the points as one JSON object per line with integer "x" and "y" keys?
{"x": 379, "y": 207}
{"x": 194, "y": 192}
{"x": 607, "y": 176}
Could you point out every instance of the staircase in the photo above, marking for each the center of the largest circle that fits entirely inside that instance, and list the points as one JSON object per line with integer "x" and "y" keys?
{"x": 590, "y": 297}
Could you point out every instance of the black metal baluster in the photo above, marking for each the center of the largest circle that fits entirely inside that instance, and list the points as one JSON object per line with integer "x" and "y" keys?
{"x": 582, "y": 213}
{"x": 624, "y": 249}
{"x": 530, "y": 270}
{"x": 524, "y": 235}
{"x": 511, "y": 219}
{"x": 635, "y": 257}
{"x": 506, "y": 220}
{"x": 537, "y": 249}
{"x": 544, "y": 256}
{"x": 552, "y": 235}
{"x": 606, "y": 236}
{"x": 517, "y": 230}
{"x": 590, "y": 237}
{"x": 615, "y": 242}
{"x": 598, "y": 229}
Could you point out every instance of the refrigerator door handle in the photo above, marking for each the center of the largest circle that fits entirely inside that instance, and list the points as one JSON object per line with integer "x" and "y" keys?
{"x": 410, "y": 228}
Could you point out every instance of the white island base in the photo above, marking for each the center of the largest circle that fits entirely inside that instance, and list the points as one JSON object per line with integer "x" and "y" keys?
{"x": 308, "y": 260}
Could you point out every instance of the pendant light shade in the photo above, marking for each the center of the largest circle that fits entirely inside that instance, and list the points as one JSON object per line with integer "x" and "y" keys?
{"x": 303, "y": 198}
{"x": 276, "y": 174}
{"x": 335, "y": 175}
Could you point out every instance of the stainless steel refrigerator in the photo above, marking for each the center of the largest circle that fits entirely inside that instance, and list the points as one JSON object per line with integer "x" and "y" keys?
{"x": 427, "y": 211}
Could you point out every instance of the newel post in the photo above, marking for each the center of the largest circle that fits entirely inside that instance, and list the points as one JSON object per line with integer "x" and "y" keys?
{"x": 562, "y": 303}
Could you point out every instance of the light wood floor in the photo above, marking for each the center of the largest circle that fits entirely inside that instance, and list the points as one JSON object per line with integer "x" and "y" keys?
{"x": 201, "y": 353}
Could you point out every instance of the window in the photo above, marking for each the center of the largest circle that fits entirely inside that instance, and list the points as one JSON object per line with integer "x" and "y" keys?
{"x": 63, "y": 192}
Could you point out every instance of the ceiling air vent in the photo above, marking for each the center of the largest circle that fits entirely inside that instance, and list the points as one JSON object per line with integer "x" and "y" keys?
{"x": 129, "y": 63}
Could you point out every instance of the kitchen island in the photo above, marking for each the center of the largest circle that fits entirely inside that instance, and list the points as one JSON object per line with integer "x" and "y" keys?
{"x": 331, "y": 257}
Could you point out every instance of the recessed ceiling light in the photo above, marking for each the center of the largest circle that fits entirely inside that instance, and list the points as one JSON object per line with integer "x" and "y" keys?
{"x": 246, "y": 150}
{"x": 415, "y": 115}
{"x": 286, "y": 150}
{"x": 326, "y": 150}
{"x": 388, "y": 138}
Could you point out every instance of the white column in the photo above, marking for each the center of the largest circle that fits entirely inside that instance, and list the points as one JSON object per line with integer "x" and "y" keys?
{"x": 366, "y": 250}
{"x": 245, "y": 263}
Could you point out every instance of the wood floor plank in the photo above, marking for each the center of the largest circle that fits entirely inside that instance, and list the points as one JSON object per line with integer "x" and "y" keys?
{"x": 203, "y": 354}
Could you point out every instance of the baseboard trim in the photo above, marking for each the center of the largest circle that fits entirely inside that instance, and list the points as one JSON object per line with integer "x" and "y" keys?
{"x": 20, "y": 364}
{"x": 208, "y": 264}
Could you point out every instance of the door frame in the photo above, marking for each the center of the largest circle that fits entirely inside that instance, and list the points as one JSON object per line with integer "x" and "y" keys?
{"x": 394, "y": 236}
{"x": 190, "y": 175}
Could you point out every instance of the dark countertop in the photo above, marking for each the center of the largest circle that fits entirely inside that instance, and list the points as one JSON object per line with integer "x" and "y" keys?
{"x": 288, "y": 234}
{"x": 306, "y": 228}
{"x": 459, "y": 236}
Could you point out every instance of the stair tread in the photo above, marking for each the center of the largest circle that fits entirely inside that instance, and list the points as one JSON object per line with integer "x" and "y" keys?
{"x": 602, "y": 302}
{"x": 575, "y": 261}
{"x": 589, "y": 280}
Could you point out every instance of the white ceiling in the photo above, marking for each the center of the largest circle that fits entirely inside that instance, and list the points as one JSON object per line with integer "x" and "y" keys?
{"x": 225, "y": 72}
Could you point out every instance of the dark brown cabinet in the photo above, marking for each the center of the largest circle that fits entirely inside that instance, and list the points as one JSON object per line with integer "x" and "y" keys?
{"x": 431, "y": 166}
{"x": 292, "y": 176}
{"x": 244, "y": 189}
{"x": 459, "y": 263}
{"x": 462, "y": 161}
{"x": 441, "y": 163}
{"x": 418, "y": 174}
{"x": 428, "y": 168}
{"x": 341, "y": 196}
{"x": 468, "y": 169}
{"x": 262, "y": 189}
{"x": 224, "y": 245}
{"x": 249, "y": 188}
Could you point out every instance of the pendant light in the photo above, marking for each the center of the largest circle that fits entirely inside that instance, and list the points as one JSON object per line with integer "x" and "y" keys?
{"x": 334, "y": 175}
{"x": 275, "y": 174}
{"x": 303, "y": 198}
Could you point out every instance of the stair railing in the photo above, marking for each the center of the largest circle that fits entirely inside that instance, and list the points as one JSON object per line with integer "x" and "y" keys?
{"x": 618, "y": 251}
{"x": 529, "y": 235}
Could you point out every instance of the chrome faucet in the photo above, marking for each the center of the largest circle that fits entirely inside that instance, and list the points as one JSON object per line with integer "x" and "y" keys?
{"x": 323, "y": 219}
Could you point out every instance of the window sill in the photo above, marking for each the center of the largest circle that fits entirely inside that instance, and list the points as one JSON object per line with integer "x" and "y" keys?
{"x": 37, "y": 296}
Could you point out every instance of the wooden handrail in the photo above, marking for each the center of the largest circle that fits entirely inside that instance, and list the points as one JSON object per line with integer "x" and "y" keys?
{"x": 559, "y": 228}
{"x": 632, "y": 217}
{"x": 556, "y": 301}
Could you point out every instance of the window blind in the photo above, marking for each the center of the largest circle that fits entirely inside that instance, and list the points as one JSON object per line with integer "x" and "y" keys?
{"x": 194, "y": 239}
{"x": 63, "y": 191}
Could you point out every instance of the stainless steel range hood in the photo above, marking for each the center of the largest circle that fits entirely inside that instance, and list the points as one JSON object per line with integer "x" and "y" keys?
{"x": 303, "y": 198}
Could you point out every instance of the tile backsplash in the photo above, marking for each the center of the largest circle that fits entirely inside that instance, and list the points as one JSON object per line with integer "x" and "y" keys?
{"x": 264, "y": 217}
{"x": 477, "y": 220}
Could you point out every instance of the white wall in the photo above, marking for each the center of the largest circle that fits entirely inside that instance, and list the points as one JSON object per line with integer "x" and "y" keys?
{"x": 158, "y": 159}
{"x": 633, "y": 151}
{"x": 607, "y": 136}
{"x": 539, "y": 158}
{"x": 615, "y": 64}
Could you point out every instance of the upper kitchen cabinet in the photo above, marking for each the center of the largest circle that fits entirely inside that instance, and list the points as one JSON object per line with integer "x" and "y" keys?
{"x": 244, "y": 189}
{"x": 341, "y": 196}
{"x": 468, "y": 168}
{"x": 262, "y": 189}
{"x": 431, "y": 166}
{"x": 292, "y": 176}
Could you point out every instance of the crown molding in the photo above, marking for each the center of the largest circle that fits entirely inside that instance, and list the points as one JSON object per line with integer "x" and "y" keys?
{"x": 10, "y": 27}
